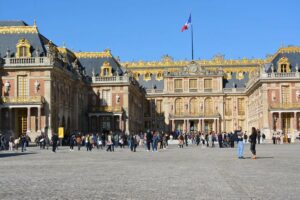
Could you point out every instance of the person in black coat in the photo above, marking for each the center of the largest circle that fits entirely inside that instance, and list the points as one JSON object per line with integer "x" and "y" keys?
{"x": 220, "y": 140}
{"x": 148, "y": 139}
{"x": 54, "y": 142}
{"x": 252, "y": 140}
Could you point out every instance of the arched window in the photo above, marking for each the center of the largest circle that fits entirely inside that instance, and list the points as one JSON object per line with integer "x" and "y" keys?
{"x": 23, "y": 48}
{"x": 147, "y": 76}
{"x": 106, "y": 69}
{"x": 178, "y": 106}
{"x": 283, "y": 65}
{"x": 208, "y": 106}
{"x": 159, "y": 76}
{"x": 194, "y": 107}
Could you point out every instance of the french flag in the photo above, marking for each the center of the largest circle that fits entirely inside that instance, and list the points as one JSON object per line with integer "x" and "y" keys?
{"x": 187, "y": 24}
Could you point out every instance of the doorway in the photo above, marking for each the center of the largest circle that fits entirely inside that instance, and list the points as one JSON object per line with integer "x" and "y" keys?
{"x": 208, "y": 125}
{"x": 21, "y": 121}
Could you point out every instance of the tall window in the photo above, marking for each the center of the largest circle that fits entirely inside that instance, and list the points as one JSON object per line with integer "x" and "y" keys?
{"x": 106, "y": 98}
{"x": 285, "y": 93}
{"x": 194, "y": 108}
{"x": 159, "y": 106}
{"x": 228, "y": 107}
{"x": 208, "y": 106}
{"x": 241, "y": 124}
{"x": 193, "y": 84}
{"x": 178, "y": 85}
{"x": 228, "y": 125}
{"x": 283, "y": 68}
{"x": 106, "y": 72}
{"x": 241, "y": 106}
{"x": 207, "y": 84}
{"x": 22, "y": 86}
{"x": 23, "y": 51}
{"x": 178, "y": 107}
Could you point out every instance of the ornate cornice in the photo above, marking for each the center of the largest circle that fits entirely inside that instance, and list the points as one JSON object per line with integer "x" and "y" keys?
{"x": 214, "y": 62}
{"x": 18, "y": 29}
{"x": 103, "y": 54}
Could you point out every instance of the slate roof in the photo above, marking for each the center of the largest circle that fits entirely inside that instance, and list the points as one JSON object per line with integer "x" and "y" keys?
{"x": 159, "y": 84}
{"x": 9, "y": 41}
{"x": 294, "y": 59}
{"x": 95, "y": 64}
{"x": 234, "y": 82}
{"x": 13, "y": 23}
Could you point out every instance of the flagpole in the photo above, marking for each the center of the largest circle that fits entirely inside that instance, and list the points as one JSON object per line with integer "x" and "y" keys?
{"x": 192, "y": 41}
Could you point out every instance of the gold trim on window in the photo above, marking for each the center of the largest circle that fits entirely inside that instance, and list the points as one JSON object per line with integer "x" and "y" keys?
{"x": 284, "y": 65}
{"x": 159, "y": 76}
{"x": 106, "y": 69}
{"x": 23, "y": 48}
{"x": 147, "y": 76}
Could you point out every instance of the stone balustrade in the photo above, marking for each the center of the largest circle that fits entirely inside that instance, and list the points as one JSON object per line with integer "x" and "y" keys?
{"x": 32, "y": 61}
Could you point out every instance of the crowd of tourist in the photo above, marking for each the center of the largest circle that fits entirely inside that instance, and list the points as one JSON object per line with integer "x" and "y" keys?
{"x": 150, "y": 140}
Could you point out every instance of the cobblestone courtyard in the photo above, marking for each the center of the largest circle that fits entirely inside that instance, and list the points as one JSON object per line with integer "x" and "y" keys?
{"x": 189, "y": 173}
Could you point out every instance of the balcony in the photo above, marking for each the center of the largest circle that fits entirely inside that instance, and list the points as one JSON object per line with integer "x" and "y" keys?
{"x": 23, "y": 100}
{"x": 195, "y": 115}
{"x": 178, "y": 90}
{"x": 32, "y": 61}
{"x": 193, "y": 90}
{"x": 285, "y": 106}
{"x": 111, "y": 79}
{"x": 106, "y": 109}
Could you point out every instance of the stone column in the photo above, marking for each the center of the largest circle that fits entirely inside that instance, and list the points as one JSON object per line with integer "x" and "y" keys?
{"x": 218, "y": 126}
{"x": 279, "y": 121}
{"x": 202, "y": 128}
{"x": 120, "y": 122}
{"x": 39, "y": 119}
{"x": 214, "y": 125}
{"x": 173, "y": 125}
{"x": 295, "y": 121}
{"x": 10, "y": 118}
{"x": 28, "y": 120}
{"x": 294, "y": 135}
{"x": 199, "y": 125}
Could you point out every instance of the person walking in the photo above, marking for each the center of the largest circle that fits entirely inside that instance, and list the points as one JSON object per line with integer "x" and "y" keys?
{"x": 148, "y": 140}
{"x": 23, "y": 142}
{"x": 78, "y": 142}
{"x": 240, "y": 134}
{"x": 54, "y": 142}
{"x": 252, "y": 140}
{"x": 220, "y": 140}
{"x": 109, "y": 142}
{"x": 180, "y": 141}
{"x": 72, "y": 142}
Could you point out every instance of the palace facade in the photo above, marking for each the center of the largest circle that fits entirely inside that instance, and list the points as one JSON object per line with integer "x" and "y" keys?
{"x": 45, "y": 86}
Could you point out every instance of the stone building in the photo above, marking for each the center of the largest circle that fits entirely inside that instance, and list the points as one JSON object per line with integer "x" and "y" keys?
{"x": 222, "y": 95}
{"x": 45, "y": 87}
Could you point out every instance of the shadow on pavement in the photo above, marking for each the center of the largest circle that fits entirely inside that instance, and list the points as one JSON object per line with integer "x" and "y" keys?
{"x": 261, "y": 157}
{"x": 4, "y": 155}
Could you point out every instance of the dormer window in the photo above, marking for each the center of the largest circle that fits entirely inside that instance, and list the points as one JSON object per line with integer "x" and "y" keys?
{"x": 106, "y": 69}
{"x": 283, "y": 65}
{"x": 23, "y": 48}
{"x": 147, "y": 76}
{"x": 159, "y": 76}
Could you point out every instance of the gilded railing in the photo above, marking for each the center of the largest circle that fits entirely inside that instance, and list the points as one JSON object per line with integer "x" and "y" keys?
{"x": 23, "y": 99}
{"x": 107, "y": 109}
{"x": 285, "y": 106}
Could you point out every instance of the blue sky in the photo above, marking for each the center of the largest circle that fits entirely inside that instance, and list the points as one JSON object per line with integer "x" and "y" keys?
{"x": 146, "y": 30}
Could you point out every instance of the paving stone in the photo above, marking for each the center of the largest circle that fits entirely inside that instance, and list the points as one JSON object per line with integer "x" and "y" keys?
{"x": 189, "y": 173}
